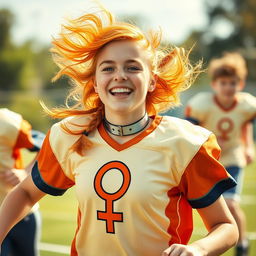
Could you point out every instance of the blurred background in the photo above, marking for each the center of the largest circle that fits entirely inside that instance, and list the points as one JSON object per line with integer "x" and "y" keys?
{"x": 27, "y": 27}
{"x": 26, "y": 68}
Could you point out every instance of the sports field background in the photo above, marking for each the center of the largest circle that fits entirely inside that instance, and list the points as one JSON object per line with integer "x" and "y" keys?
{"x": 59, "y": 218}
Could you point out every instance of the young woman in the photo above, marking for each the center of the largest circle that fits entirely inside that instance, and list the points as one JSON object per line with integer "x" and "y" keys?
{"x": 137, "y": 175}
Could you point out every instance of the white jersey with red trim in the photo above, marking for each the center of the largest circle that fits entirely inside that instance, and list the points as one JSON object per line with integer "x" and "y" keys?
{"x": 10, "y": 124}
{"x": 205, "y": 110}
{"x": 134, "y": 198}
{"x": 15, "y": 133}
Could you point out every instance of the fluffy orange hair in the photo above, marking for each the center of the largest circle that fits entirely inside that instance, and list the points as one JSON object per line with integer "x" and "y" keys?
{"x": 76, "y": 49}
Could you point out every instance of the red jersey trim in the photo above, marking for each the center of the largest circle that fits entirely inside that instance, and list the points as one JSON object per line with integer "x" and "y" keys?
{"x": 188, "y": 110}
{"x": 17, "y": 156}
{"x": 208, "y": 173}
{"x": 179, "y": 213}
{"x": 50, "y": 169}
{"x": 24, "y": 139}
{"x": 224, "y": 108}
{"x": 119, "y": 147}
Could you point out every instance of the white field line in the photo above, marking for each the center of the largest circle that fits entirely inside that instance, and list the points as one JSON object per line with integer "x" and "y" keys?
{"x": 62, "y": 249}
{"x": 248, "y": 199}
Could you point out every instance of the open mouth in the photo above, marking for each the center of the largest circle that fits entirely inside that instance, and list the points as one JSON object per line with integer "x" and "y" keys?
{"x": 120, "y": 91}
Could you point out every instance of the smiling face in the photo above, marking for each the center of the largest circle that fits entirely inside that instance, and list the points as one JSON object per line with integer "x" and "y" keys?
{"x": 123, "y": 78}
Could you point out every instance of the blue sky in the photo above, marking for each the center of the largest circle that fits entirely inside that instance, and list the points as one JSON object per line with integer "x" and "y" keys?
{"x": 41, "y": 19}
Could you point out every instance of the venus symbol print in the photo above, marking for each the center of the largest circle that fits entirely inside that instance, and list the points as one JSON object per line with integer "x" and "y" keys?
{"x": 109, "y": 215}
{"x": 225, "y": 126}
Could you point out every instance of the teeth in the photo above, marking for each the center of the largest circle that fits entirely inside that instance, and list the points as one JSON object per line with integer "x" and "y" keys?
{"x": 120, "y": 90}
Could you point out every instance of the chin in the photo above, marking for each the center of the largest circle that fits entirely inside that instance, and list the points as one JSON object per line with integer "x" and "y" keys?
{"x": 230, "y": 97}
{"x": 120, "y": 107}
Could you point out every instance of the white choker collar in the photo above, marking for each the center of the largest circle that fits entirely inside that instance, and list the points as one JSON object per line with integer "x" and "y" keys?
{"x": 126, "y": 130}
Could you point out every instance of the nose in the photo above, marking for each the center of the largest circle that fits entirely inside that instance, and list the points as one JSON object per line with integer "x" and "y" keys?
{"x": 120, "y": 76}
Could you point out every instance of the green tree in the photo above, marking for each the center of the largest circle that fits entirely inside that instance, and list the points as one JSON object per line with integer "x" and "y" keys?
{"x": 239, "y": 15}
{"x": 231, "y": 27}
{"x": 8, "y": 65}
{"x": 6, "y": 22}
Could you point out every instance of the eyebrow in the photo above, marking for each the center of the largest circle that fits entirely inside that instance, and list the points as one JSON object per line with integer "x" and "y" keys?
{"x": 106, "y": 62}
{"x": 112, "y": 62}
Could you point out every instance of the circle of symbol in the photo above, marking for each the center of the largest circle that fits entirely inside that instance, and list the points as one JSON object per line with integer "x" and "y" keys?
{"x": 125, "y": 185}
{"x": 225, "y": 125}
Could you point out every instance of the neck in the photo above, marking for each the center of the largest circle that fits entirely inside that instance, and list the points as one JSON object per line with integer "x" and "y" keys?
{"x": 123, "y": 118}
{"x": 225, "y": 102}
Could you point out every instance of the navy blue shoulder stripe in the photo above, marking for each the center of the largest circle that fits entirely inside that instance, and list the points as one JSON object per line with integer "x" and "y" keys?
{"x": 38, "y": 138}
{"x": 192, "y": 120}
{"x": 40, "y": 183}
{"x": 214, "y": 194}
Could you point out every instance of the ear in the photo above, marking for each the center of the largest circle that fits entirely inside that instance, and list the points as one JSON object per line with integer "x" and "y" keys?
{"x": 212, "y": 83}
{"x": 95, "y": 87}
{"x": 241, "y": 85}
{"x": 94, "y": 84}
{"x": 152, "y": 85}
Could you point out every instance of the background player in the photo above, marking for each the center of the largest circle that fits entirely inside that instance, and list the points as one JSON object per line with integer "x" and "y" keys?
{"x": 15, "y": 134}
{"x": 226, "y": 112}
{"x": 137, "y": 174}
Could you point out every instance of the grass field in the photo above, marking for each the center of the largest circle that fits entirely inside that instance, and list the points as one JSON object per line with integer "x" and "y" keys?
{"x": 59, "y": 218}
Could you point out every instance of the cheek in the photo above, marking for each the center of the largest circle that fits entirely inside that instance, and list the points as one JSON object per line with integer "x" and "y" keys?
{"x": 101, "y": 83}
{"x": 142, "y": 82}
{"x": 219, "y": 88}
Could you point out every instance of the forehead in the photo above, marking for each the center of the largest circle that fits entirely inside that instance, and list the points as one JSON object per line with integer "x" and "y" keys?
{"x": 121, "y": 51}
{"x": 227, "y": 79}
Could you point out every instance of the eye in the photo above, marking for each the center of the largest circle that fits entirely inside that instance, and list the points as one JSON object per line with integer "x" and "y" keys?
{"x": 223, "y": 83}
{"x": 133, "y": 68}
{"x": 107, "y": 69}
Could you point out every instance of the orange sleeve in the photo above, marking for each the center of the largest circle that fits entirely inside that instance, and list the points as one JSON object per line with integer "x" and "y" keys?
{"x": 205, "y": 179}
{"x": 47, "y": 173}
{"x": 187, "y": 111}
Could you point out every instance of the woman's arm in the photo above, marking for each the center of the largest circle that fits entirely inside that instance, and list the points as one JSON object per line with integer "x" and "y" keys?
{"x": 17, "y": 205}
{"x": 223, "y": 233}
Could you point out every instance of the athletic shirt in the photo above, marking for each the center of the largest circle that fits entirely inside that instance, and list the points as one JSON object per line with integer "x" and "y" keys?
{"x": 226, "y": 124}
{"x": 15, "y": 133}
{"x": 134, "y": 198}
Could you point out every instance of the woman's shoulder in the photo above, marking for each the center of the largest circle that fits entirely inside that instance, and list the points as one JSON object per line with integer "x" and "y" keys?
{"x": 183, "y": 129}
{"x": 9, "y": 117}
{"x": 68, "y": 130}
{"x": 202, "y": 98}
{"x": 180, "y": 140}
{"x": 74, "y": 124}
{"x": 245, "y": 97}
{"x": 10, "y": 123}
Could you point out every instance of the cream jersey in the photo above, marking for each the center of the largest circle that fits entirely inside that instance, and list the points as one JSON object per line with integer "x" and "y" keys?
{"x": 15, "y": 133}
{"x": 134, "y": 198}
{"x": 226, "y": 124}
